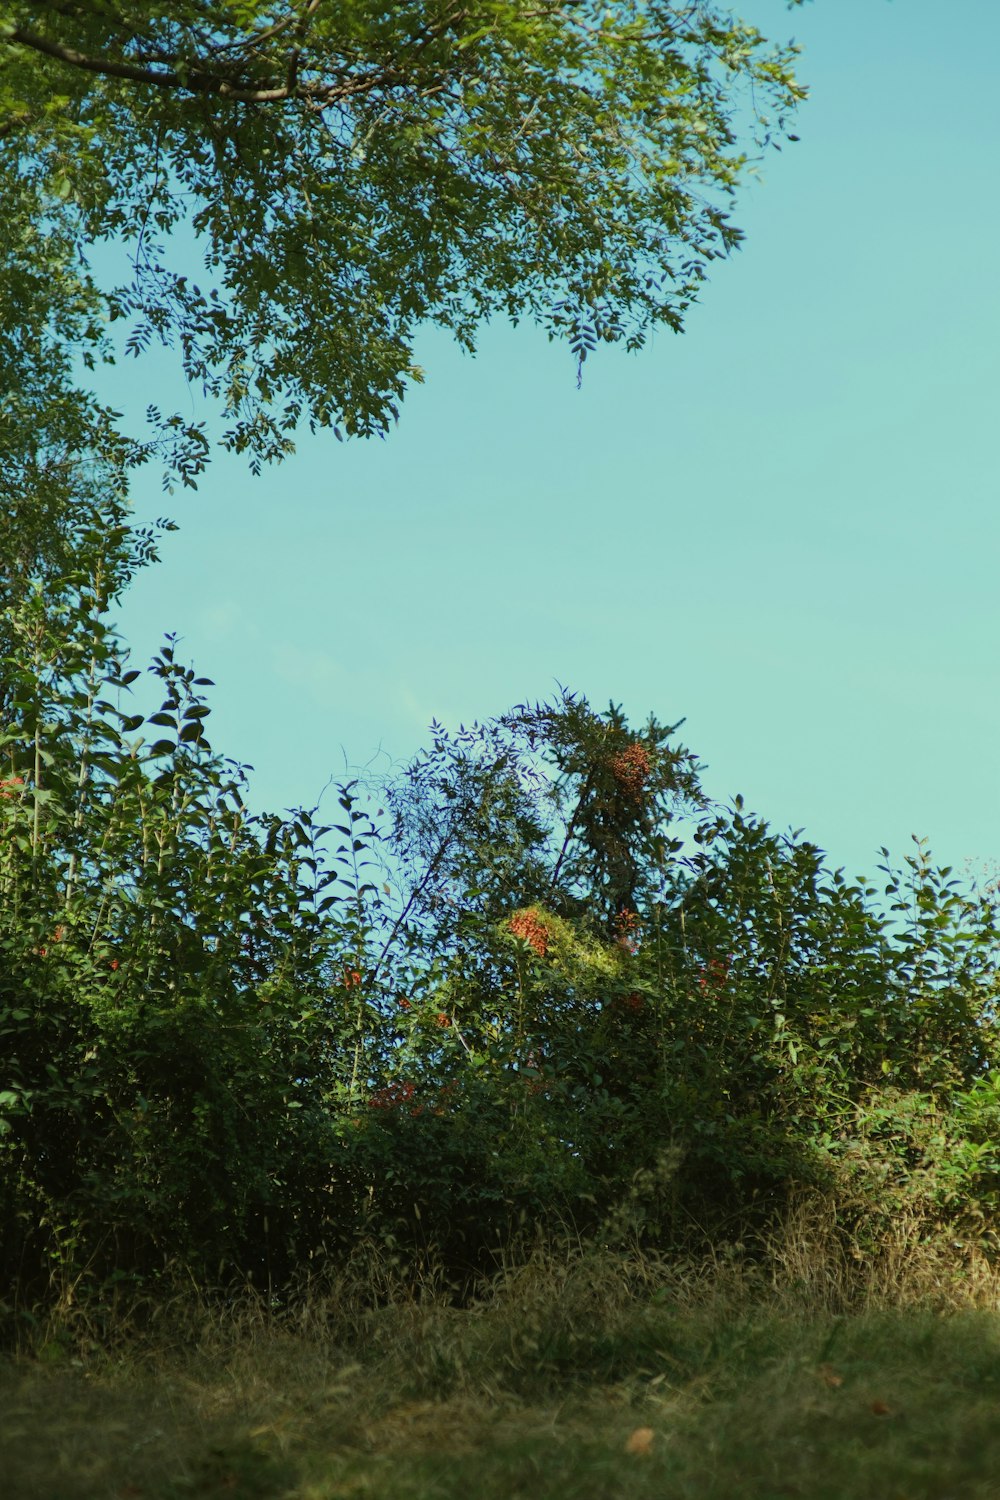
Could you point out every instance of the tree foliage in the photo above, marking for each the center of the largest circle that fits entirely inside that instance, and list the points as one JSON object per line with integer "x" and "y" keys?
{"x": 537, "y": 979}
{"x": 299, "y": 186}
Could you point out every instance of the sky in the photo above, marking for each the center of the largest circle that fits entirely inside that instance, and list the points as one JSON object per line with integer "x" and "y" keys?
{"x": 781, "y": 526}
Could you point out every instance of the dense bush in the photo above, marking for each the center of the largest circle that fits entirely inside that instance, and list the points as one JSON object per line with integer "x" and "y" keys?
{"x": 537, "y": 982}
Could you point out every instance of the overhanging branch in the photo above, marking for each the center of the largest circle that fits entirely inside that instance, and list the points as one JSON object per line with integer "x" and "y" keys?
{"x": 206, "y": 77}
{"x": 201, "y": 80}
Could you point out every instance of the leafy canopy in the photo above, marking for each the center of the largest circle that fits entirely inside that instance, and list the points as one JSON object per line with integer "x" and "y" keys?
{"x": 300, "y": 184}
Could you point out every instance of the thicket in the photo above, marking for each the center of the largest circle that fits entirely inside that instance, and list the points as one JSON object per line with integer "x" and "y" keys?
{"x": 536, "y": 983}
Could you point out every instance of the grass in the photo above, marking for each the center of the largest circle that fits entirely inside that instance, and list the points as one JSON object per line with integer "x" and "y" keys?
{"x": 573, "y": 1378}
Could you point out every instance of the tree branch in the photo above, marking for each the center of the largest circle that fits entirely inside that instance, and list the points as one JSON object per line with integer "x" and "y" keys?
{"x": 201, "y": 77}
{"x": 12, "y": 122}
{"x": 201, "y": 81}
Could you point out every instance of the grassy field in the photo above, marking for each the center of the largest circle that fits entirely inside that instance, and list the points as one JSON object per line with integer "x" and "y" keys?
{"x": 579, "y": 1379}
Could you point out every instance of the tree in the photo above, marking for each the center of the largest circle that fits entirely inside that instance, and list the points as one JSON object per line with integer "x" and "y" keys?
{"x": 300, "y": 185}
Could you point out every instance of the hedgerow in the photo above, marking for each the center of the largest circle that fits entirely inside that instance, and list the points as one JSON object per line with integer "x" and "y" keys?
{"x": 537, "y": 983}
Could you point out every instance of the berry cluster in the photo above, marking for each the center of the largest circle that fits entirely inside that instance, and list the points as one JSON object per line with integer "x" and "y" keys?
{"x": 630, "y": 768}
{"x": 390, "y": 1097}
{"x": 633, "y": 1003}
{"x": 713, "y": 976}
{"x": 525, "y": 924}
{"x": 626, "y": 923}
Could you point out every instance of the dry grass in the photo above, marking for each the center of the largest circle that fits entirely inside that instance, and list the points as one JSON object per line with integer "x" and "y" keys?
{"x": 574, "y": 1376}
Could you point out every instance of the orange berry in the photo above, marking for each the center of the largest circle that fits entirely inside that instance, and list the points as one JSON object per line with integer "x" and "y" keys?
{"x": 631, "y": 768}
{"x": 525, "y": 925}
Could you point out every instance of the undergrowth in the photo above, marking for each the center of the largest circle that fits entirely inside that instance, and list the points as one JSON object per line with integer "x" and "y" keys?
{"x": 579, "y": 1371}
{"x": 534, "y": 1126}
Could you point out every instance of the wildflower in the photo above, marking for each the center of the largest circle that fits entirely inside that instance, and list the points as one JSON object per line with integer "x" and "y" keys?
{"x": 630, "y": 768}
{"x": 527, "y": 926}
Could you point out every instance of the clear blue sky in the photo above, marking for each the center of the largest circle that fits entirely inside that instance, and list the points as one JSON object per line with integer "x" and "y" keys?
{"x": 783, "y": 525}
